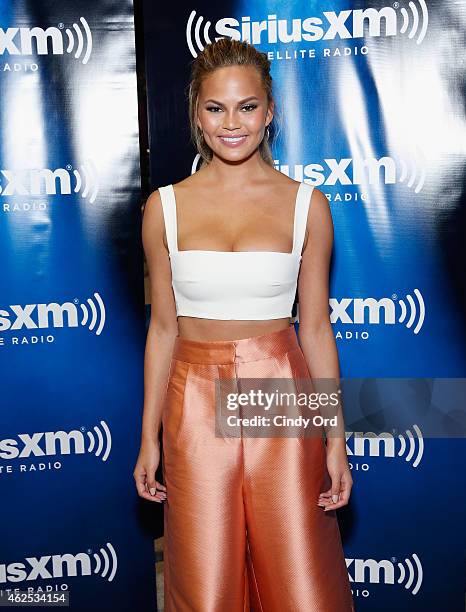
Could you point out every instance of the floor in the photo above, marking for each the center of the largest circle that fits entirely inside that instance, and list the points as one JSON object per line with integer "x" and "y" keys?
{"x": 158, "y": 547}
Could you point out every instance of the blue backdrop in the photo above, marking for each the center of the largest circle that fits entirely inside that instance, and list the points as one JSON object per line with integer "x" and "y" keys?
{"x": 72, "y": 306}
{"x": 372, "y": 104}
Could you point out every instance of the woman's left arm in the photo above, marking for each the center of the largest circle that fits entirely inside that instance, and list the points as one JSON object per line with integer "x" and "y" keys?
{"x": 317, "y": 340}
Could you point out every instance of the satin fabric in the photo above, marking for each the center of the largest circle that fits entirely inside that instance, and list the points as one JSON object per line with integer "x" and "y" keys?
{"x": 243, "y": 531}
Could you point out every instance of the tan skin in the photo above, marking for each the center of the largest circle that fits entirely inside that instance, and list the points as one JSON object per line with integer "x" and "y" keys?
{"x": 236, "y": 203}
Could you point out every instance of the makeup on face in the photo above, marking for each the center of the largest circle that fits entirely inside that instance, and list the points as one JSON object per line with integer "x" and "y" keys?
{"x": 228, "y": 115}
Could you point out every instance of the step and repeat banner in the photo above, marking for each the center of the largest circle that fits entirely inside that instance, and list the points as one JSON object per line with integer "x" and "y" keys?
{"x": 71, "y": 307}
{"x": 373, "y": 105}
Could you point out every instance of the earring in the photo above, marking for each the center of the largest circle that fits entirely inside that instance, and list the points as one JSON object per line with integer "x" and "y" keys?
{"x": 267, "y": 133}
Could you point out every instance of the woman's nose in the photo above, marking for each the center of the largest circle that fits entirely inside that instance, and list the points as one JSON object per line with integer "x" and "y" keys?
{"x": 230, "y": 120}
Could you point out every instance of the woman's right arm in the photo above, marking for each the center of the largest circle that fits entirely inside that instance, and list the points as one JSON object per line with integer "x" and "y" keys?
{"x": 163, "y": 329}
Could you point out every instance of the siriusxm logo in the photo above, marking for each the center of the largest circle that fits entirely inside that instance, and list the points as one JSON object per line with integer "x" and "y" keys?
{"x": 386, "y": 571}
{"x": 34, "y": 316}
{"x": 355, "y": 171}
{"x": 101, "y": 563}
{"x": 63, "y": 181}
{"x": 97, "y": 442}
{"x": 352, "y": 171}
{"x": 363, "y": 444}
{"x": 361, "y": 311}
{"x": 35, "y": 41}
{"x": 332, "y": 25}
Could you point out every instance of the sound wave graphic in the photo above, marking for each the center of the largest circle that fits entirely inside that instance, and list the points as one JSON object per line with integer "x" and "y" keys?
{"x": 420, "y": 21}
{"x": 196, "y": 34}
{"x": 415, "y": 310}
{"x": 106, "y": 564}
{"x": 87, "y": 180}
{"x": 100, "y": 441}
{"x": 81, "y": 40}
{"x": 411, "y": 174}
{"x": 410, "y": 448}
{"x": 196, "y": 162}
{"x": 408, "y": 574}
{"x": 97, "y": 311}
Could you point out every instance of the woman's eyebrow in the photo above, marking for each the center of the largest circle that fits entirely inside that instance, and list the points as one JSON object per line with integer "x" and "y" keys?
{"x": 240, "y": 102}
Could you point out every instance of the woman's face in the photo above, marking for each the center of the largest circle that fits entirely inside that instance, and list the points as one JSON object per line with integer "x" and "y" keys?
{"x": 233, "y": 112}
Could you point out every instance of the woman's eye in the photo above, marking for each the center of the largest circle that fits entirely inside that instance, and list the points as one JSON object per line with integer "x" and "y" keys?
{"x": 247, "y": 107}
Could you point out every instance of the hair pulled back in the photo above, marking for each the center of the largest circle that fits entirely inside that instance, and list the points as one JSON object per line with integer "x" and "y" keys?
{"x": 219, "y": 54}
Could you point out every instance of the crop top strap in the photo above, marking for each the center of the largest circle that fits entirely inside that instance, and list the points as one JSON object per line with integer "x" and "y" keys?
{"x": 167, "y": 196}
{"x": 303, "y": 201}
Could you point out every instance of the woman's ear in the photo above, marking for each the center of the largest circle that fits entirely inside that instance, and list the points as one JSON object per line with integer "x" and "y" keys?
{"x": 270, "y": 112}
{"x": 198, "y": 121}
{"x": 196, "y": 114}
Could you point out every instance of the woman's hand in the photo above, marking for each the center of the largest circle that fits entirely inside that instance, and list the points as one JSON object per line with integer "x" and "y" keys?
{"x": 144, "y": 472}
{"x": 342, "y": 481}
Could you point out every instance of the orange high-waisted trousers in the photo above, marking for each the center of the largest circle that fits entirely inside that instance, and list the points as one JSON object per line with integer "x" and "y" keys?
{"x": 243, "y": 530}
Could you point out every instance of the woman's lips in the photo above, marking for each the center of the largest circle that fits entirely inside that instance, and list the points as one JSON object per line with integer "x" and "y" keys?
{"x": 233, "y": 141}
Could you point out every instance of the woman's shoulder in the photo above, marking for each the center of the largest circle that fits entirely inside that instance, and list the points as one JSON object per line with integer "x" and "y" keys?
{"x": 197, "y": 180}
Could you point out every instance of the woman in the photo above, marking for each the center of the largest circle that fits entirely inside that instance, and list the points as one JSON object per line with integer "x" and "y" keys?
{"x": 249, "y": 521}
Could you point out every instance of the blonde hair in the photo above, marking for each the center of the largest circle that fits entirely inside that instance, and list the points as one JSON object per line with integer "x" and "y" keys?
{"x": 219, "y": 54}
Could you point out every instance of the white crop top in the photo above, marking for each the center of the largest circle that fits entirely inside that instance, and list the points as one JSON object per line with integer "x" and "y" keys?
{"x": 243, "y": 285}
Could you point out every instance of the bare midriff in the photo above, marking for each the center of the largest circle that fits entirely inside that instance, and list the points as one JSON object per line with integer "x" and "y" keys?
{"x": 193, "y": 328}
